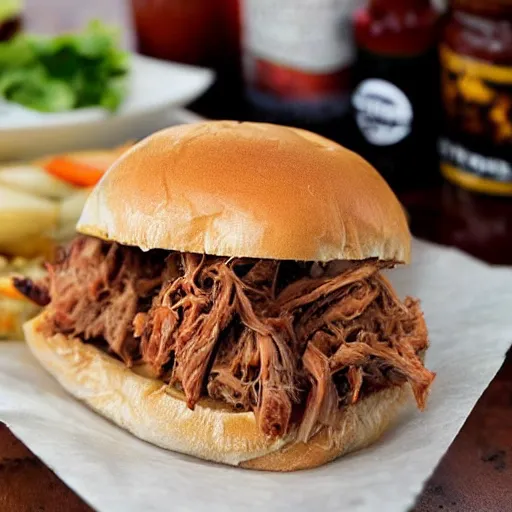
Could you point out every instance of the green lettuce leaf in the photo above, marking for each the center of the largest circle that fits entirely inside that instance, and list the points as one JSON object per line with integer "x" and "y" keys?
{"x": 65, "y": 72}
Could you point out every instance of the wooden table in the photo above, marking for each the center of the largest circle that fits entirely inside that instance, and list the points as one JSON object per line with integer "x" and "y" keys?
{"x": 476, "y": 472}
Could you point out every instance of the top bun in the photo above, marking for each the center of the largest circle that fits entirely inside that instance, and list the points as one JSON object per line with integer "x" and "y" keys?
{"x": 248, "y": 190}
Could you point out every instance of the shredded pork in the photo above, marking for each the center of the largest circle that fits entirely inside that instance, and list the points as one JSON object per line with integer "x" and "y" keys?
{"x": 293, "y": 342}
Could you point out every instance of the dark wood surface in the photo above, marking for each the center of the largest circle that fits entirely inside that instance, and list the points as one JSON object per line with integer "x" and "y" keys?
{"x": 476, "y": 472}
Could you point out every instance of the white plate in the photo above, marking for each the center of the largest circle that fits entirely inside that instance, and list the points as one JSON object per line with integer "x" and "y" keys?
{"x": 155, "y": 87}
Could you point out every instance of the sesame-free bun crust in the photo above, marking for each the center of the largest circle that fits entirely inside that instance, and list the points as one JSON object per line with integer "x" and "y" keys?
{"x": 152, "y": 411}
{"x": 247, "y": 190}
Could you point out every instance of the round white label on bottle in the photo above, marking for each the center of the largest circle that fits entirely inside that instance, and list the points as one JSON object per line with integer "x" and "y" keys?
{"x": 383, "y": 112}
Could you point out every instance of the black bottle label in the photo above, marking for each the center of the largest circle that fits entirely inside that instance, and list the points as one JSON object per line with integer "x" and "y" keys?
{"x": 395, "y": 115}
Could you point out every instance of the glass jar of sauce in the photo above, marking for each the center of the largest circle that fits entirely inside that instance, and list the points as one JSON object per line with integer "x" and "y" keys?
{"x": 10, "y": 18}
{"x": 476, "y": 81}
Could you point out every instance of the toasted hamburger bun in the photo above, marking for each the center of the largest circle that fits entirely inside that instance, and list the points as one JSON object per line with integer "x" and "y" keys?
{"x": 156, "y": 413}
{"x": 231, "y": 189}
{"x": 248, "y": 190}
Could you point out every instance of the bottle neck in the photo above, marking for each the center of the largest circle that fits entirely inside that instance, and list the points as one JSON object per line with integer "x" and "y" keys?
{"x": 397, "y": 27}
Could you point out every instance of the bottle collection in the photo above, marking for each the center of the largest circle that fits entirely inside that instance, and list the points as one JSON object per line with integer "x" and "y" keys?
{"x": 421, "y": 88}
{"x": 413, "y": 87}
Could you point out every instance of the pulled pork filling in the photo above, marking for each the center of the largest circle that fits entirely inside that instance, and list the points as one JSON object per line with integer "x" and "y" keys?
{"x": 293, "y": 342}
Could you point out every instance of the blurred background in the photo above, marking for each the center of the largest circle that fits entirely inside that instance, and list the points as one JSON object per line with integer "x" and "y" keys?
{"x": 421, "y": 88}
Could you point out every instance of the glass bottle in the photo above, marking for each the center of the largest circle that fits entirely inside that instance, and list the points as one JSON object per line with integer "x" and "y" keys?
{"x": 395, "y": 103}
{"x": 476, "y": 75}
{"x": 297, "y": 57}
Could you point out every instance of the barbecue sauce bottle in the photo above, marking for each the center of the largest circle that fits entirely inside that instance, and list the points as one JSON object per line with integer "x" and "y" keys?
{"x": 476, "y": 63}
{"x": 395, "y": 103}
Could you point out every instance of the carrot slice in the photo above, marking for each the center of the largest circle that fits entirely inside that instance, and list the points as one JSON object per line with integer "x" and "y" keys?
{"x": 7, "y": 289}
{"x": 74, "y": 172}
{"x": 82, "y": 168}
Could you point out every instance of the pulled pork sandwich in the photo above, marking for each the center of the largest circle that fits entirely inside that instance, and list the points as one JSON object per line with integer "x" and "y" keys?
{"x": 225, "y": 298}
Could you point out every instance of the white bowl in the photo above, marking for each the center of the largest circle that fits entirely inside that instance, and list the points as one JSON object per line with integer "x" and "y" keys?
{"x": 155, "y": 87}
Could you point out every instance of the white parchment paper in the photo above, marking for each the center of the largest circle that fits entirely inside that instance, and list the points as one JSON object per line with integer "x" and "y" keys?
{"x": 468, "y": 307}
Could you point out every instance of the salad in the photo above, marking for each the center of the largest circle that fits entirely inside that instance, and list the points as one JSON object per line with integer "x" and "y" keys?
{"x": 69, "y": 71}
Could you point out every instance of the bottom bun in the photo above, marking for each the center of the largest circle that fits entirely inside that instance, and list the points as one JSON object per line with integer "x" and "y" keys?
{"x": 152, "y": 411}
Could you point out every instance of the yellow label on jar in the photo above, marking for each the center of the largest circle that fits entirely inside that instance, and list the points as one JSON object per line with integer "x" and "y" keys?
{"x": 476, "y": 147}
{"x": 463, "y": 64}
